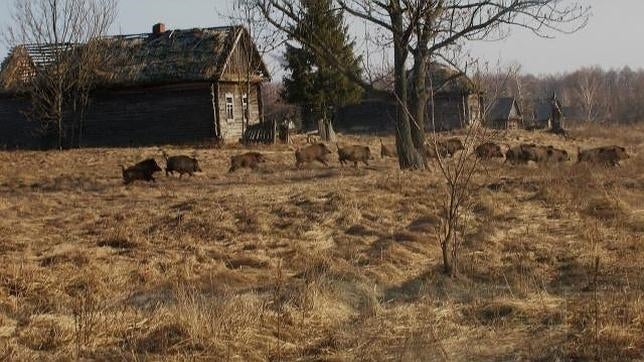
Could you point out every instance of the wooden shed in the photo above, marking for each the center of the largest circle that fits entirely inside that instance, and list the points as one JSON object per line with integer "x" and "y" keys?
{"x": 542, "y": 115}
{"x": 504, "y": 114}
{"x": 164, "y": 87}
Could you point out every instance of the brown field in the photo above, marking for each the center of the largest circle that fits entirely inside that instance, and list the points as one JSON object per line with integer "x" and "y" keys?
{"x": 320, "y": 264}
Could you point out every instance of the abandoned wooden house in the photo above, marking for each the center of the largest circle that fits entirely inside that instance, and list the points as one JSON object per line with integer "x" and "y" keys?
{"x": 542, "y": 116}
{"x": 504, "y": 113}
{"x": 457, "y": 105}
{"x": 165, "y": 87}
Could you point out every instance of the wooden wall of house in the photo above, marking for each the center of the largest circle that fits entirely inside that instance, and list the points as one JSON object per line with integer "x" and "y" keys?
{"x": 449, "y": 114}
{"x": 150, "y": 116}
{"x": 231, "y": 128}
{"x": 454, "y": 111}
{"x": 511, "y": 123}
{"x": 16, "y": 131}
{"x": 371, "y": 115}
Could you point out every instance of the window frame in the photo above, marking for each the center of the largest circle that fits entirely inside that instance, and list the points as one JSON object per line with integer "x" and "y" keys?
{"x": 229, "y": 99}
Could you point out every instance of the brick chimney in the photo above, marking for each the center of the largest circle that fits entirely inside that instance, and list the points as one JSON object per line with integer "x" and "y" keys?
{"x": 158, "y": 28}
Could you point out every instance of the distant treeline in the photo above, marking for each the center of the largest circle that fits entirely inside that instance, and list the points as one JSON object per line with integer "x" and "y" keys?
{"x": 588, "y": 94}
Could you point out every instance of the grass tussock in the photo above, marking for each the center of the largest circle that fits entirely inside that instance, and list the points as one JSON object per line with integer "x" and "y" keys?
{"x": 320, "y": 263}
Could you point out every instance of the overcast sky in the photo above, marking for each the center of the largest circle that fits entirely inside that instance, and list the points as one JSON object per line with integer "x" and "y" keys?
{"x": 612, "y": 39}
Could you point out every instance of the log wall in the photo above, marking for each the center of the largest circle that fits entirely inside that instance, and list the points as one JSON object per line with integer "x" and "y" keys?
{"x": 150, "y": 116}
{"x": 16, "y": 131}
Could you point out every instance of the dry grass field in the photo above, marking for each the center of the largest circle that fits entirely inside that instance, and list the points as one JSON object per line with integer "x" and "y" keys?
{"x": 320, "y": 263}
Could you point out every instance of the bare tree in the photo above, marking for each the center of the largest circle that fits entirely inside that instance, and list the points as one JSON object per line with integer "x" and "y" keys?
{"x": 460, "y": 170}
{"x": 587, "y": 87}
{"x": 59, "y": 38}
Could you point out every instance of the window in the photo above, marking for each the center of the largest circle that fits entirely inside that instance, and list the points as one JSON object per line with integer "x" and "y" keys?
{"x": 230, "y": 107}
{"x": 245, "y": 105}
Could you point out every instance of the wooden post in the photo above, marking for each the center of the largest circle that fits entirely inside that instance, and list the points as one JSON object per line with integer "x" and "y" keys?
{"x": 322, "y": 129}
{"x": 274, "y": 131}
{"x": 556, "y": 114}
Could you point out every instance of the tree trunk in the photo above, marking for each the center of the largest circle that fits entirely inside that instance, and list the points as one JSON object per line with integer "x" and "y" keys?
{"x": 419, "y": 99}
{"x": 408, "y": 156}
{"x": 447, "y": 265}
{"x": 59, "y": 116}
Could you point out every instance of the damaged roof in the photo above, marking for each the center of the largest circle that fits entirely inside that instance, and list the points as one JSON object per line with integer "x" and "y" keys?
{"x": 504, "y": 108}
{"x": 172, "y": 56}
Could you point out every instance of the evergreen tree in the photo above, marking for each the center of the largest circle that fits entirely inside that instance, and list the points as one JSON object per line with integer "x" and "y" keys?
{"x": 313, "y": 83}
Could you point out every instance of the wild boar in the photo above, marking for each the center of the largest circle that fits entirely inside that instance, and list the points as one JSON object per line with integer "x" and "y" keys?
{"x": 514, "y": 155}
{"x": 607, "y": 155}
{"x": 431, "y": 150}
{"x": 387, "y": 150}
{"x": 532, "y": 152}
{"x": 453, "y": 145}
{"x": 521, "y": 154}
{"x": 143, "y": 170}
{"x": 181, "y": 164}
{"x": 316, "y": 152}
{"x": 557, "y": 155}
{"x": 247, "y": 160}
{"x": 445, "y": 148}
{"x": 488, "y": 150}
{"x": 355, "y": 154}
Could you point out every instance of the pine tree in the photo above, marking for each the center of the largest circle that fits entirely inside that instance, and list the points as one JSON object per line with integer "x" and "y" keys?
{"x": 312, "y": 82}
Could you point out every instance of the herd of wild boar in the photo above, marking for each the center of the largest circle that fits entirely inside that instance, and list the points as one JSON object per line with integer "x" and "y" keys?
{"x": 319, "y": 152}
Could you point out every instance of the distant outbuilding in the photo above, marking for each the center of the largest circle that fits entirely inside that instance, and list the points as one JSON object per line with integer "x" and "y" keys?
{"x": 504, "y": 114}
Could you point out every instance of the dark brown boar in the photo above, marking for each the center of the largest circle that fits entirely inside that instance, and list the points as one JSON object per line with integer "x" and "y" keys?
{"x": 521, "y": 154}
{"x": 488, "y": 150}
{"x": 387, "y": 150}
{"x": 355, "y": 154}
{"x": 445, "y": 148}
{"x": 527, "y": 152}
{"x": 143, "y": 170}
{"x": 606, "y": 155}
{"x": 316, "y": 152}
{"x": 512, "y": 155}
{"x": 453, "y": 145}
{"x": 532, "y": 152}
{"x": 247, "y": 160}
{"x": 431, "y": 150}
{"x": 557, "y": 155}
{"x": 181, "y": 164}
